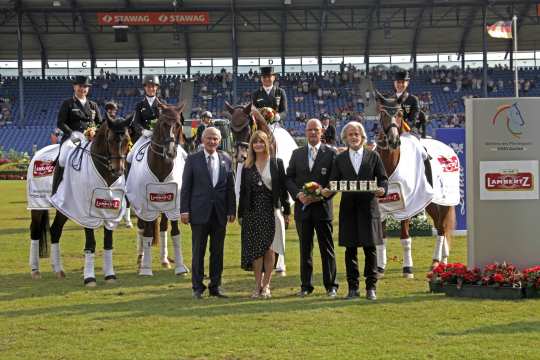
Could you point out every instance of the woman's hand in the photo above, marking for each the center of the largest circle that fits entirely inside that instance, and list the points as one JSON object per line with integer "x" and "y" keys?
{"x": 287, "y": 220}
{"x": 379, "y": 192}
{"x": 326, "y": 192}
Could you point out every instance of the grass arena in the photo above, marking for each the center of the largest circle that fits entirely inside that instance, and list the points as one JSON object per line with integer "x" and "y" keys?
{"x": 156, "y": 318}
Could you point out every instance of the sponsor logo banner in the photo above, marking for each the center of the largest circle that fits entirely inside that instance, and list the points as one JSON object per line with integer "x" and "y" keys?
{"x": 152, "y": 18}
{"x": 43, "y": 168}
{"x": 509, "y": 180}
{"x": 506, "y": 182}
{"x": 107, "y": 203}
{"x": 161, "y": 197}
{"x": 393, "y": 197}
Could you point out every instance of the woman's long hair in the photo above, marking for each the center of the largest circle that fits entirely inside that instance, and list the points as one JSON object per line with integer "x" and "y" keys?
{"x": 257, "y": 136}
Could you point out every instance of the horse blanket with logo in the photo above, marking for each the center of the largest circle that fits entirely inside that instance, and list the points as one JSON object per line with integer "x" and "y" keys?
{"x": 148, "y": 196}
{"x": 409, "y": 192}
{"x": 84, "y": 196}
{"x": 445, "y": 169}
{"x": 39, "y": 178}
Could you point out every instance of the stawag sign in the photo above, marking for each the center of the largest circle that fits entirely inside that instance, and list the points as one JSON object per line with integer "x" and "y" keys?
{"x": 152, "y": 18}
{"x": 509, "y": 180}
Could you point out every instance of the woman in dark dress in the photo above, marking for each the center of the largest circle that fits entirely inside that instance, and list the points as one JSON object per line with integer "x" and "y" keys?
{"x": 263, "y": 212}
{"x": 359, "y": 216}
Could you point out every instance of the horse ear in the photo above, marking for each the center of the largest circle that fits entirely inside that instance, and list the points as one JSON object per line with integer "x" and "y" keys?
{"x": 180, "y": 107}
{"x": 229, "y": 107}
{"x": 379, "y": 97}
{"x": 247, "y": 109}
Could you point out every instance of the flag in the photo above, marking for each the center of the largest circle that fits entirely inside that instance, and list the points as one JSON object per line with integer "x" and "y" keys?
{"x": 500, "y": 30}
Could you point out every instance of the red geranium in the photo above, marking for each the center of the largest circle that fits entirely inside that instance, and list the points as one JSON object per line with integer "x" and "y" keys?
{"x": 531, "y": 277}
{"x": 505, "y": 274}
{"x": 454, "y": 273}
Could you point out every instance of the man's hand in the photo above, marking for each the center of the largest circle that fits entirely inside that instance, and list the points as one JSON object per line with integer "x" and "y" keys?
{"x": 326, "y": 192}
{"x": 231, "y": 218}
{"x": 304, "y": 199}
{"x": 287, "y": 221}
{"x": 379, "y": 192}
{"x": 184, "y": 218}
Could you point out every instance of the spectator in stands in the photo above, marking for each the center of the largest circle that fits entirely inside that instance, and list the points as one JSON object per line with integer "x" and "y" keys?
{"x": 112, "y": 109}
{"x": 206, "y": 121}
{"x": 268, "y": 95}
{"x": 329, "y": 131}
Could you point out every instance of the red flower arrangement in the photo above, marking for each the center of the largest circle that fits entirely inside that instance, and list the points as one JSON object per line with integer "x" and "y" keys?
{"x": 504, "y": 274}
{"x": 455, "y": 273}
{"x": 531, "y": 277}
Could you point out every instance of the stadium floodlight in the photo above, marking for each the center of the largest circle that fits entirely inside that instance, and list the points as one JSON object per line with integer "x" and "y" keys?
{"x": 287, "y": 2}
{"x": 56, "y": 3}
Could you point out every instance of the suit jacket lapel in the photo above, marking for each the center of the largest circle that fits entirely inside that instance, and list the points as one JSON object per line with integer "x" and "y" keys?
{"x": 205, "y": 163}
{"x": 349, "y": 163}
{"x": 364, "y": 163}
{"x": 305, "y": 160}
{"x": 221, "y": 167}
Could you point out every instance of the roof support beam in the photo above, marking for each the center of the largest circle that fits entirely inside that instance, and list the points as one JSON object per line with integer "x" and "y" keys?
{"x": 467, "y": 30}
{"x": 524, "y": 11}
{"x": 367, "y": 47}
{"x": 234, "y": 40}
{"x": 322, "y": 20}
{"x": 138, "y": 39}
{"x": 43, "y": 49}
{"x": 417, "y": 31}
{"x": 89, "y": 41}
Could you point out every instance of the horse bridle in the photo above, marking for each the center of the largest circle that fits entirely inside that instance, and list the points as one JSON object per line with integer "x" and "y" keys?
{"x": 382, "y": 142}
{"x": 104, "y": 160}
{"x": 163, "y": 146}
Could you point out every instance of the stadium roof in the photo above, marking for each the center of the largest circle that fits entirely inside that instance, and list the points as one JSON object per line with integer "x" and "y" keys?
{"x": 264, "y": 28}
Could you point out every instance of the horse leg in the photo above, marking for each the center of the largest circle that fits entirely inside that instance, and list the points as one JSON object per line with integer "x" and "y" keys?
{"x": 406, "y": 244}
{"x": 56, "y": 232}
{"x": 38, "y": 240}
{"x": 108, "y": 269}
{"x": 447, "y": 224}
{"x": 127, "y": 215}
{"x": 146, "y": 261}
{"x": 381, "y": 254}
{"x": 440, "y": 252}
{"x": 140, "y": 230}
{"x": 163, "y": 246}
{"x": 89, "y": 258}
{"x": 180, "y": 268}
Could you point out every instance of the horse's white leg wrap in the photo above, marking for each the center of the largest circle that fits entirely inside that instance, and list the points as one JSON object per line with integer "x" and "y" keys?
{"x": 381, "y": 255}
{"x": 407, "y": 252}
{"x": 34, "y": 255}
{"x": 180, "y": 268}
{"x": 280, "y": 266}
{"x": 108, "y": 269}
{"x": 445, "y": 251}
{"x": 438, "y": 251}
{"x": 146, "y": 263}
{"x": 89, "y": 272}
{"x": 163, "y": 249}
{"x": 56, "y": 260}
{"x": 140, "y": 241}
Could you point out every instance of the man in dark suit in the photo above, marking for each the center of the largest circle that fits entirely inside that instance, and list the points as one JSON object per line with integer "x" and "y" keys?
{"x": 207, "y": 202}
{"x": 269, "y": 95}
{"x": 313, "y": 162}
{"x": 329, "y": 131}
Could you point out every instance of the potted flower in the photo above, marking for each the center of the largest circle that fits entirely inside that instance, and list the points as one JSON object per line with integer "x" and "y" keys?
{"x": 531, "y": 281}
{"x": 453, "y": 278}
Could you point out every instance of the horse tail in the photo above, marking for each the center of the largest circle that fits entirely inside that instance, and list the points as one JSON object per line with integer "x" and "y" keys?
{"x": 44, "y": 230}
{"x": 449, "y": 224}
{"x": 155, "y": 239}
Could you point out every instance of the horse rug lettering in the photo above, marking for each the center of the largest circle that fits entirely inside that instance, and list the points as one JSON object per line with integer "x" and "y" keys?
{"x": 84, "y": 196}
{"x": 409, "y": 192}
{"x": 445, "y": 168}
{"x": 39, "y": 178}
{"x": 148, "y": 196}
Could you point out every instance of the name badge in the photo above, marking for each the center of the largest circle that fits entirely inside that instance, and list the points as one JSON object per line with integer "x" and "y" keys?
{"x": 93, "y": 114}
{"x": 323, "y": 171}
{"x": 75, "y": 110}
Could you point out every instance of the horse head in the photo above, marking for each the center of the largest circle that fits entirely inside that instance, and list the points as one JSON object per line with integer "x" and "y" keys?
{"x": 167, "y": 133}
{"x": 391, "y": 120}
{"x": 244, "y": 121}
{"x": 114, "y": 148}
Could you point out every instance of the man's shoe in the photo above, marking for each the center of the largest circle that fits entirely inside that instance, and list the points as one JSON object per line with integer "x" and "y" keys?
{"x": 352, "y": 294}
{"x": 303, "y": 293}
{"x": 371, "y": 295}
{"x": 197, "y": 295}
{"x": 332, "y": 293}
{"x": 218, "y": 293}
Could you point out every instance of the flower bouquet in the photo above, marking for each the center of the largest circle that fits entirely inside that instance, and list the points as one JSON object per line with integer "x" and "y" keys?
{"x": 268, "y": 114}
{"x": 312, "y": 189}
{"x": 90, "y": 132}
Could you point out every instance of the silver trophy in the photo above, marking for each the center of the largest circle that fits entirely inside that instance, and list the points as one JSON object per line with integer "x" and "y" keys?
{"x": 363, "y": 185}
{"x": 373, "y": 185}
{"x": 352, "y": 185}
{"x": 343, "y": 185}
{"x": 333, "y": 185}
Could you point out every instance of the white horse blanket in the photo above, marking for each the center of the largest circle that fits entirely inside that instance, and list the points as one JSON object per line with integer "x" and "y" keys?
{"x": 409, "y": 192}
{"x": 39, "y": 178}
{"x": 445, "y": 168}
{"x": 84, "y": 196}
{"x": 148, "y": 196}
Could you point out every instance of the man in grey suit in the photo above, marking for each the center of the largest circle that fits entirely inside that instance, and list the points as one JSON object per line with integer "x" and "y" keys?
{"x": 313, "y": 162}
{"x": 207, "y": 202}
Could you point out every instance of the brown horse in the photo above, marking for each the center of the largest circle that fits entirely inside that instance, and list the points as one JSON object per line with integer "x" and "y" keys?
{"x": 444, "y": 218}
{"x": 162, "y": 152}
{"x": 244, "y": 121}
{"x": 108, "y": 152}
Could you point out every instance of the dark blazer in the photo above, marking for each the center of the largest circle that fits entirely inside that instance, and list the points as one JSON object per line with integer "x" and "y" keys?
{"x": 329, "y": 135}
{"x": 298, "y": 174}
{"x": 359, "y": 216}
{"x": 280, "y": 197}
{"x": 198, "y": 197}
{"x": 144, "y": 114}
{"x": 409, "y": 104}
{"x": 73, "y": 116}
{"x": 277, "y": 100}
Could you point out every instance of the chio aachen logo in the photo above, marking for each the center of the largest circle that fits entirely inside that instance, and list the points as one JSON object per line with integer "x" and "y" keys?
{"x": 511, "y": 114}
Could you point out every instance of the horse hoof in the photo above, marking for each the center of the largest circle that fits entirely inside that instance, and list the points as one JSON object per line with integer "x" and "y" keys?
{"x": 61, "y": 274}
{"x": 36, "y": 275}
{"x": 146, "y": 272}
{"x": 166, "y": 265}
{"x": 129, "y": 225}
{"x": 90, "y": 282}
{"x": 110, "y": 279}
{"x": 181, "y": 271}
{"x": 408, "y": 272}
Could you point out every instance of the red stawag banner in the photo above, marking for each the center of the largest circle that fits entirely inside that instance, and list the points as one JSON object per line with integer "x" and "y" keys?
{"x": 152, "y": 18}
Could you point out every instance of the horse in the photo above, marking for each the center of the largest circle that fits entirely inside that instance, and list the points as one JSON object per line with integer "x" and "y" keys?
{"x": 102, "y": 161}
{"x": 389, "y": 143}
{"x": 153, "y": 188}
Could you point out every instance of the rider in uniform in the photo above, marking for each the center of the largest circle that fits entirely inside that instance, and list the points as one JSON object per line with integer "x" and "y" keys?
{"x": 76, "y": 115}
{"x": 269, "y": 95}
{"x": 206, "y": 121}
{"x": 146, "y": 110}
{"x": 408, "y": 102}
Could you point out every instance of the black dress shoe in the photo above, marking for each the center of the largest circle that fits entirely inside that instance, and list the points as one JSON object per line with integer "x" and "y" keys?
{"x": 332, "y": 293}
{"x": 352, "y": 294}
{"x": 218, "y": 293}
{"x": 197, "y": 295}
{"x": 371, "y": 295}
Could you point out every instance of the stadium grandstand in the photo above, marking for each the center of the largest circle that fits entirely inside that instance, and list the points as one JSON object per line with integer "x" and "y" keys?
{"x": 207, "y": 52}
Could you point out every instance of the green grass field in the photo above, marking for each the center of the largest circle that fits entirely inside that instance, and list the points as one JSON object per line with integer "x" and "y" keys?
{"x": 156, "y": 318}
